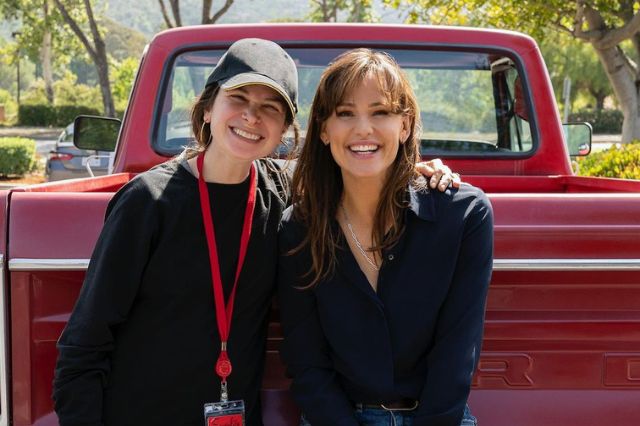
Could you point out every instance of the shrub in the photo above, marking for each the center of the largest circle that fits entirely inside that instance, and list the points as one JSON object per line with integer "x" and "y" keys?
{"x": 123, "y": 76}
{"x": 36, "y": 115}
{"x": 10, "y": 105}
{"x": 17, "y": 156}
{"x": 46, "y": 115}
{"x": 619, "y": 161}
{"x": 66, "y": 91}
{"x": 602, "y": 121}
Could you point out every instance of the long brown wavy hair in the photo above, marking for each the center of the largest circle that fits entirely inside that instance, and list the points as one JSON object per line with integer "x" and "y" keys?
{"x": 317, "y": 181}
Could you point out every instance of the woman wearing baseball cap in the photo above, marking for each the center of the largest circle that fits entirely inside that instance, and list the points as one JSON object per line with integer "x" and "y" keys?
{"x": 171, "y": 321}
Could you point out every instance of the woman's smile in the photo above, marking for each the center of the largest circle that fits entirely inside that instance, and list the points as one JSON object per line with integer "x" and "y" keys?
{"x": 245, "y": 134}
{"x": 363, "y": 148}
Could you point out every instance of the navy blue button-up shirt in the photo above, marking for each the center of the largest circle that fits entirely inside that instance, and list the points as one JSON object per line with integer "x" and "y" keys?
{"x": 417, "y": 337}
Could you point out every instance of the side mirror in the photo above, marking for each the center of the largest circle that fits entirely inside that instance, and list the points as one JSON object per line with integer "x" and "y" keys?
{"x": 577, "y": 136}
{"x": 96, "y": 133}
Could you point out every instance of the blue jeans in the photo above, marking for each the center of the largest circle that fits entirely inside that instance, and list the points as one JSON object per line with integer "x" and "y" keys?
{"x": 382, "y": 417}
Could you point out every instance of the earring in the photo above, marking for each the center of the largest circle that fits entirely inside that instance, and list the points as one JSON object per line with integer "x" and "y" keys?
{"x": 202, "y": 142}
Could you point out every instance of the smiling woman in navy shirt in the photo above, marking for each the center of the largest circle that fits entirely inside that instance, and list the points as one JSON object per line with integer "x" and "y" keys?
{"x": 382, "y": 282}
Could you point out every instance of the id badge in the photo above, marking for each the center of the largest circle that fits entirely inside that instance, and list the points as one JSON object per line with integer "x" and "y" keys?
{"x": 229, "y": 413}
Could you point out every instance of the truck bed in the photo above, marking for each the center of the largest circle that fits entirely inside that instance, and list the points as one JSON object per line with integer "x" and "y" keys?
{"x": 563, "y": 309}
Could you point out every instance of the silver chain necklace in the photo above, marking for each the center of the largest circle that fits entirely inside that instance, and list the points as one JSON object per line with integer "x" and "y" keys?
{"x": 355, "y": 239}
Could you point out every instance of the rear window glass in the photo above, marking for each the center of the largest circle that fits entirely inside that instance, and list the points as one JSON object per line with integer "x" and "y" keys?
{"x": 472, "y": 103}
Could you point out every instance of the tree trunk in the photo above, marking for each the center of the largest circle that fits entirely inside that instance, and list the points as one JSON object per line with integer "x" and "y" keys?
{"x": 600, "y": 97}
{"x": 102, "y": 66}
{"x": 100, "y": 60}
{"x": 223, "y": 9}
{"x": 355, "y": 12}
{"x": 165, "y": 15}
{"x": 47, "y": 72}
{"x": 97, "y": 52}
{"x": 175, "y": 10}
{"x": 45, "y": 56}
{"x": 621, "y": 74}
{"x": 623, "y": 81}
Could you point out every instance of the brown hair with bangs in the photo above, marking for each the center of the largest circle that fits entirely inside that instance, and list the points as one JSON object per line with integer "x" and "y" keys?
{"x": 317, "y": 181}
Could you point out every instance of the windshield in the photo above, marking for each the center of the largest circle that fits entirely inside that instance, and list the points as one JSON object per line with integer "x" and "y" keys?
{"x": 471, "y": 103}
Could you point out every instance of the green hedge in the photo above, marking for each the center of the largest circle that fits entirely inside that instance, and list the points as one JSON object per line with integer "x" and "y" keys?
{"x": 56, "y": 116}
{"x": 605, "y": 121}
{"x": 619, "y": 161}
{"x": 17, "y": 156}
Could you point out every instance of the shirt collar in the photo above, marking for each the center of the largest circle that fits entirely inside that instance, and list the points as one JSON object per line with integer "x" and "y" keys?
{"x": 422, "y": 203}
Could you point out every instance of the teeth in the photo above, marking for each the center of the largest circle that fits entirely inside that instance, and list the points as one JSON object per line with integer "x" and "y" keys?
{"x": 247, "y": 135}
{"x": 363, "y": 148}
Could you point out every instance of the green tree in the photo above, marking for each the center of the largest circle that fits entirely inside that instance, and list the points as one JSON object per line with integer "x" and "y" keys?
{"x": 567, "y": 57}
{"x": 67, "y": 91}
{"x": 8, "y": 102}
{"x": 123, "y": 75}
{"x": 40, "y": 36}
{"x": 79, "y": 16}
{"x": 122, "y": 42}
{"x": 329, "y": 10}
{"x": 603, "y": 24}
{"x": 10, "y": 54}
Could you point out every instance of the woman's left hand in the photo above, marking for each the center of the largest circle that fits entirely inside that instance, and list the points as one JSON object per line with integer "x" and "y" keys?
{"x": 440, "y": 175}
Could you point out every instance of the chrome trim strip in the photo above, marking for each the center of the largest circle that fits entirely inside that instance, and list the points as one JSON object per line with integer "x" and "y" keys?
{"x": 48, "y": 264}
{"x": 4, "y": 355}
{"x": 566, "y": 264}
{"x": 498, "y": 265}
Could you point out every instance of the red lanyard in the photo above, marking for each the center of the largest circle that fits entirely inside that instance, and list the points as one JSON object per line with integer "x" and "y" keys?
{"x": 223, "y": 316}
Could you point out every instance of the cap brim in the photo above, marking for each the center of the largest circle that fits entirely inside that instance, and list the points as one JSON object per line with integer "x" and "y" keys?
{"x": 245, "y": 79}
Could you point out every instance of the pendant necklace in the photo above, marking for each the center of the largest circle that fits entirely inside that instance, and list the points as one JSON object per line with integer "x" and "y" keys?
{"x": 356, "y": 241}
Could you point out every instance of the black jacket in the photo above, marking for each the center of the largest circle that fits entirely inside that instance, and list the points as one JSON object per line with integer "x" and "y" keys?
{"x": 418, "y": 337}
{"x": 142, "y": 341}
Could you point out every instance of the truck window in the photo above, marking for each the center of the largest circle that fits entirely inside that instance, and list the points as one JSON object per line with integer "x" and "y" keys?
{"x": 472, "y": 103}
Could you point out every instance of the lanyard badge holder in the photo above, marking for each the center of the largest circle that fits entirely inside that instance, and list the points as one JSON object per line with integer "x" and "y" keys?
{"x": 225, "y": 412}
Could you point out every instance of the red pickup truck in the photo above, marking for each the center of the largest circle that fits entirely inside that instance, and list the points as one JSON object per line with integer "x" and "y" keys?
{"x": 562, "y": 337}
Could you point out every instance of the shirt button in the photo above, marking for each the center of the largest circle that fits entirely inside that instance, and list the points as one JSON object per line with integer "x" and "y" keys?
{"x": 390, "y": 257}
